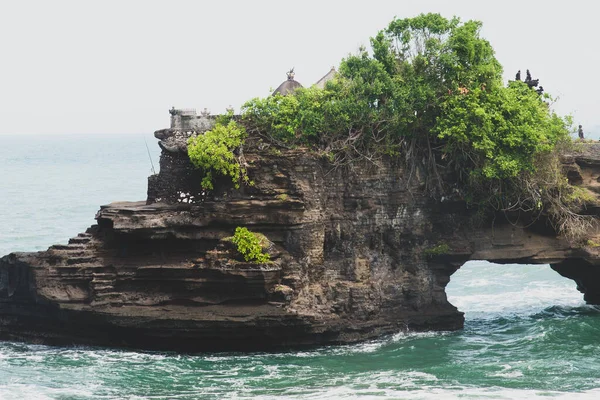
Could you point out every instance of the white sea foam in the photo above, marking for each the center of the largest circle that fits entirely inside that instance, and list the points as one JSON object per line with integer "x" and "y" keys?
{"x": 507, "y": 372}
{"x": 37, "y": 392}
{"x": 428, "y": 393}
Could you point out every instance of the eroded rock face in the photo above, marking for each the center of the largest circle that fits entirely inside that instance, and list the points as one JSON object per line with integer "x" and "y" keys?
{"x": 351, "y": 251}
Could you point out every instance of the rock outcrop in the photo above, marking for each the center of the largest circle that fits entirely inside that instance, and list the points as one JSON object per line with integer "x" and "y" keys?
{"x": 356, "y": 253}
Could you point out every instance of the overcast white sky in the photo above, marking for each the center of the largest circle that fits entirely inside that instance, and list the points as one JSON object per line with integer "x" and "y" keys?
{"x": 118, "y": 66}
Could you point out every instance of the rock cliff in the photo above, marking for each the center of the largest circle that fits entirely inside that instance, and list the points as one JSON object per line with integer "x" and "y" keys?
{"x": 356, "y": 253}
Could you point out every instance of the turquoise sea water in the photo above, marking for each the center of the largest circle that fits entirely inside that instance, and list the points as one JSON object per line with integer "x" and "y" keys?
{"x": 528, "y": 333}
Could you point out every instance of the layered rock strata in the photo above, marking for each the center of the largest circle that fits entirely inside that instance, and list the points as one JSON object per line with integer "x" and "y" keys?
{"x": 355, "y": 255}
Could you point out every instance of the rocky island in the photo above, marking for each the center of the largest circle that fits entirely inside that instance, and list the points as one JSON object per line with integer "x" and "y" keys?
{"x": 367, "y": 191}
{"x": 355, "y": 254}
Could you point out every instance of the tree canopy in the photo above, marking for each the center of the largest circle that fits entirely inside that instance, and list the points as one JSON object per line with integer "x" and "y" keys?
{"x": 430, "y": 86}
{"x": 430, "y": 92}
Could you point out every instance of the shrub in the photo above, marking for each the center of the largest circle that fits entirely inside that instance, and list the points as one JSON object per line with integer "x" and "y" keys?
{"x": 298, "y": 119}
{"x": 437, "y": 250}
{"x": 250, "y": 245}
{"x": 213, "y": 152}
{"x": 591, "y": 243}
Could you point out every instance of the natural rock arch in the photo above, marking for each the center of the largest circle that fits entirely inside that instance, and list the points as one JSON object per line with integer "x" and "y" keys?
{"x": 359, "y": 252}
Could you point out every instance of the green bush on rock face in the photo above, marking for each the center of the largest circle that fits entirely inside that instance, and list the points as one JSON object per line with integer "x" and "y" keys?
{"x": 250, "y": 245}
{"x": 437, "y": 250}
{"x": 213, "y": 152}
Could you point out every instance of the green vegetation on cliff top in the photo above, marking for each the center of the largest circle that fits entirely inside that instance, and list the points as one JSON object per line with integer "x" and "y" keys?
{"x": 429, "y": 93}
{"x": 430, "y": 86}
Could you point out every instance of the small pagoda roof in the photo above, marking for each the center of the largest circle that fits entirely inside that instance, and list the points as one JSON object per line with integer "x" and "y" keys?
{"x": 288, "y": 86}
{"x": 328, "y": 76}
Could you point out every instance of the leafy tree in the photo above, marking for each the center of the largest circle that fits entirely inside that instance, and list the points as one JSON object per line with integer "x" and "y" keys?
{"x": 499, "y": 130}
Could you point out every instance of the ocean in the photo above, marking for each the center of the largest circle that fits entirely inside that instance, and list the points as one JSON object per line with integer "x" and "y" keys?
{"x": 528, "y": 333}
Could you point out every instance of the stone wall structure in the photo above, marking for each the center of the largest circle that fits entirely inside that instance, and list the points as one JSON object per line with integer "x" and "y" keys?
{"x": 351, "y": 259}
{"x": 186, "y": 119}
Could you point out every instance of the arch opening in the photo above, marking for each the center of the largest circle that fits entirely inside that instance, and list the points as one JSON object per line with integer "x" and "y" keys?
{"x": 524, "y": 325}
{"x": 484, "y": 290}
